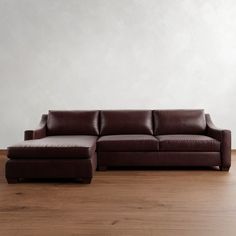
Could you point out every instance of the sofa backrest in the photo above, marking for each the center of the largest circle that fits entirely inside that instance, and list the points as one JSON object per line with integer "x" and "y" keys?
{"x": 72, "y": 123}
{"x": 179, "y": 122}
{"x": 126, "y": 122}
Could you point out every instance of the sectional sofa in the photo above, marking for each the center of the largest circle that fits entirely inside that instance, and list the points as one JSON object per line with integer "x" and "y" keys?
{"x": 73, "y": 144}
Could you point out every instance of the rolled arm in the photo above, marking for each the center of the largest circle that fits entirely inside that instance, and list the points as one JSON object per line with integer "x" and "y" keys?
{"x": 38, "y": 133}
{"x": 224, "y": 137}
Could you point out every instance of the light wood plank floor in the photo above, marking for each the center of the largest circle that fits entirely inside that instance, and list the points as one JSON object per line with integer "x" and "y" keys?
{"x": 120, "y": 203}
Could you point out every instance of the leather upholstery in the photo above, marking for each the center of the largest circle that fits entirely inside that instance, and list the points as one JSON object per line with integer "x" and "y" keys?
{"x": 54, "y": 147}
{"x": 223, "y": 136}
{"x": 126, "y": 122}
{"x": 155, "y": 159}
{"x": 28, "y": 135}
{"x": 179, "y": 122}
{"x": 188, "y": 143}
{"x": 41, "y": 131}
{"x": 49, "y": 168}
{"x": 128, "y": 143}
{"x": 64, "y": 145}
{"x": 73, "y": 123}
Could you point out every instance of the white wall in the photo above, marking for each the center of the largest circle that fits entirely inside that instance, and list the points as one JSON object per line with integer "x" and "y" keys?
{"x": 96, "y": 54}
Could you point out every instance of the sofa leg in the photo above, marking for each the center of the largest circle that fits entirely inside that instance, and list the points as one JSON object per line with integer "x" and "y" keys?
{"x": 223, "y": 168}
{"x": 102, "y": 168}
{"x": 12, "y": 180}
{"x": 86, "y": 180}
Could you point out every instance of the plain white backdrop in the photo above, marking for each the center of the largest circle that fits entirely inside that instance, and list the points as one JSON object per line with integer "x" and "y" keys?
{"x": 115, "y": 54}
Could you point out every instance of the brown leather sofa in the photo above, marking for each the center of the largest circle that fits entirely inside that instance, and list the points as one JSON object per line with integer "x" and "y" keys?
{"x": 72, "y": 144}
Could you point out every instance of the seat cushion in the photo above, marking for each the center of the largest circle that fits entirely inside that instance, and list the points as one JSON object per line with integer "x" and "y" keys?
{"x": 126, "y": 122}
{"x": 77, "y": 146}
{"x": 127, "y": 143}
{"x": 179, "y": 122}
{"x": 188, "y": 143}
{"x": 72, "y": 123}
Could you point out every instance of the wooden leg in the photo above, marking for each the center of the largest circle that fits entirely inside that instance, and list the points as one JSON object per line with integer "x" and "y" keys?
{"x": 102, "y": 168}
{"x": 222, "y": 168}
{"x": 12, "y": 180}
{"x": 86, "y": 180}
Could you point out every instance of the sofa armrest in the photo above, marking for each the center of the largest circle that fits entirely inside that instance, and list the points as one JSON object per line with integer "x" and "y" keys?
{"x": 224, "y": 137}
{"x": 28, "y": 135}
{"x": 215, "y": 132}
{"x": 40, "y": 132}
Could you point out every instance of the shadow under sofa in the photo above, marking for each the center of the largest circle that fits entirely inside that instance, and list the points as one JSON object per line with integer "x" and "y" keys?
{"x": 73, "y": 144}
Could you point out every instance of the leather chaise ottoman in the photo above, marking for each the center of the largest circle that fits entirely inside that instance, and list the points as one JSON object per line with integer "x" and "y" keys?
{"x": 53, "y": 157}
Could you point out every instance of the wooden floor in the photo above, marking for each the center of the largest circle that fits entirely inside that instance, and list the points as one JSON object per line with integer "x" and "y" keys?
{"x": 120, "y": 203}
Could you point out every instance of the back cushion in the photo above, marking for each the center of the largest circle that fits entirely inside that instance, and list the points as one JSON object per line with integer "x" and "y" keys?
{"x": 179, "y": 122}
{"x": 73, "y": 123}
{"x": 126, "y": 122}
